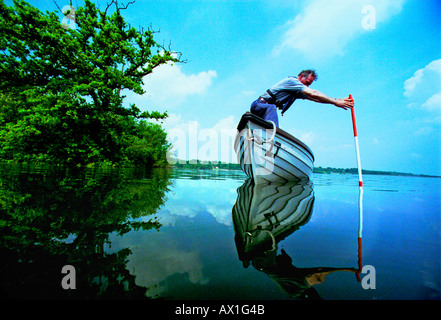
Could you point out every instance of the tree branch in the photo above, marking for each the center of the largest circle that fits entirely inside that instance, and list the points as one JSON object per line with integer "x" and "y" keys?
{"x": 107, "y": 8}
{"x": 57, "y": 5}
{"x": 123, "y": 8}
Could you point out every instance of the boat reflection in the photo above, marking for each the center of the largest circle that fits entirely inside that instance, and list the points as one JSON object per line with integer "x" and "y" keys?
{"x": 263, "y": 216}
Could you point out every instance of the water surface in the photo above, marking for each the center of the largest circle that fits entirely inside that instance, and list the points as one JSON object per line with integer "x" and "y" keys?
{"x": 195, "y": 234}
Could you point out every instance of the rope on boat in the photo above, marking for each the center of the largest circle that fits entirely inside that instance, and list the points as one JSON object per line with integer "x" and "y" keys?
{"x": 250, "y": 136}
{"x": 273, "y": 239}
{"x": 274, "y": 133}
{"x": 259, "y": 140}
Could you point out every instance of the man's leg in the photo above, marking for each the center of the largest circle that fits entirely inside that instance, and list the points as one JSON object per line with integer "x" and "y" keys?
{"x": 265, "y": 111}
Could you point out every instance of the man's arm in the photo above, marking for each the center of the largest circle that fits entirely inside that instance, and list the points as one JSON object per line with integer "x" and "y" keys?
{"x": 317, "y": 96}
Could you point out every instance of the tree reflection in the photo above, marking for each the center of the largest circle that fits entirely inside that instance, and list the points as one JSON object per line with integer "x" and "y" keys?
{"x": 51, "y": 217}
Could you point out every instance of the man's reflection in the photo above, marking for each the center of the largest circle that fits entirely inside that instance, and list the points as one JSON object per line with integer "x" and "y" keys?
{"x": 263, "y": 216}
{"x": 296, "y": 282}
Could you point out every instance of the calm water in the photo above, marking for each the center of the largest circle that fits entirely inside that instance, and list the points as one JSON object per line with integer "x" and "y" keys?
{"x": 207, "y": 235}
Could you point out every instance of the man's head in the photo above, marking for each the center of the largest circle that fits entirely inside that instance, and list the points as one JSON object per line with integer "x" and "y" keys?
{"x": 307, "y": 77}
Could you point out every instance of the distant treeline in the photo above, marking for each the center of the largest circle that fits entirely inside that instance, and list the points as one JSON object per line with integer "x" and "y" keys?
{"x": 197, "y": 164}
{"x": 364, "y": 171}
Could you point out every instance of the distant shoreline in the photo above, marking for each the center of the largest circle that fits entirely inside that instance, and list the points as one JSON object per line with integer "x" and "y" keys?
{"x": 370, "y": 172}
{"x": 197, "y": 164}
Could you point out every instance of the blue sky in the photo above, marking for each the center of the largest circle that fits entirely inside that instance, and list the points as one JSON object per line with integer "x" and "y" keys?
{"x": 386, "y": 53}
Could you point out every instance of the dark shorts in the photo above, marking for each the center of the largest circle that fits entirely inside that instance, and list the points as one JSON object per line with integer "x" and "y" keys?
{"x": 265, "y": 110}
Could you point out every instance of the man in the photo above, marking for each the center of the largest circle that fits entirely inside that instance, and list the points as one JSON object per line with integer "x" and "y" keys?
{"x": 282, "y": 95}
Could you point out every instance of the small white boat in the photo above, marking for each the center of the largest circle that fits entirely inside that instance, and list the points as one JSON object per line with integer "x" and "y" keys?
{"x": 269, "y": 154}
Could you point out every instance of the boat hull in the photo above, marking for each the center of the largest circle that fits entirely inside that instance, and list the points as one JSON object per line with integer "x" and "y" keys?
{"x": 268, "y": 154}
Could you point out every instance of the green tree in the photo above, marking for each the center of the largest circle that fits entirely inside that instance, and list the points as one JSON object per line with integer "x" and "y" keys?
{"x": 61, "y": 89}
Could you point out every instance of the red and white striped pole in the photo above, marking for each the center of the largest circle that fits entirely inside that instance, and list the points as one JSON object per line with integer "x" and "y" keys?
{"x": 354, "y": 125}
{"x": 360, "y": 197}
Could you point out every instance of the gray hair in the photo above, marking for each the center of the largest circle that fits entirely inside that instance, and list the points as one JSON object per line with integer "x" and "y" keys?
{"x": 308, "y": 72}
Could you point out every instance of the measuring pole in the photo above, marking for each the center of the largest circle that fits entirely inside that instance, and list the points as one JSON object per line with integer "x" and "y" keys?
{"x": 360, "y": 197}
{"x": 360, "y": 178}
{"x": 357, "y": 149}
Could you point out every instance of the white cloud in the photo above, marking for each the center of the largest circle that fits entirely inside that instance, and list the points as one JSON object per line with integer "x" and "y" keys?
{"x": 433, "y": 103}
{"x": 168, "y": 87}
{"x": 308, "y": 137}
{"x": 424, "y": 88}
{"x": 424, "y": 131}
{"x": 151, "y": 263}
{"x": 189, "y": 197}
{"x": 410, "y": 84}
{"x": 325, "y": 27}
{"x": 226, "y": 124}
{"x": 430, "y": 72}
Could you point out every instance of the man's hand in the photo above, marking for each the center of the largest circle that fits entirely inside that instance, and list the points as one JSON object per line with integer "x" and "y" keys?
{"x": 345, "y": 103}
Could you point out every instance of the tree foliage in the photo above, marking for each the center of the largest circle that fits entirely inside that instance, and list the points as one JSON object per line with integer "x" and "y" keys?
{"x": 61, "y": 89}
